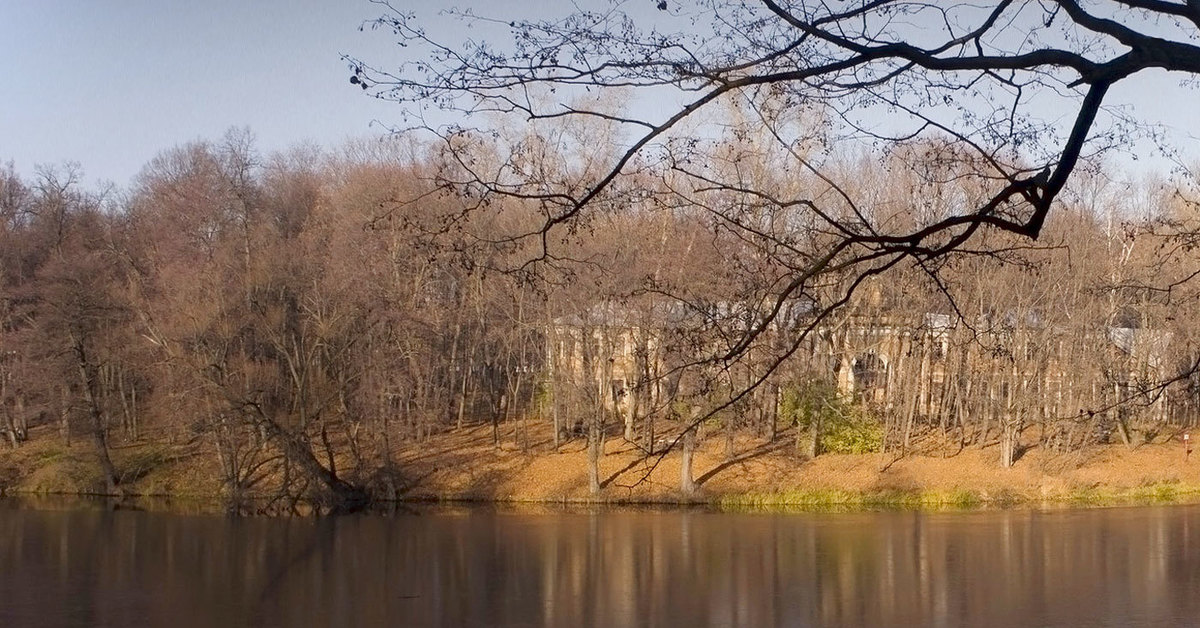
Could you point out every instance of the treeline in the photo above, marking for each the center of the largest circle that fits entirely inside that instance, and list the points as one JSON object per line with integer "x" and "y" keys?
{"x": 300, "y": 316}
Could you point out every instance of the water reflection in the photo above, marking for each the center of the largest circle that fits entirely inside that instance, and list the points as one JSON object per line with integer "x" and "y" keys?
{"x": 1118, "y": 567}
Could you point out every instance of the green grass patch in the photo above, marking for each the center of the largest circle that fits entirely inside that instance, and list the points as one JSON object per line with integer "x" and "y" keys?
{"x": 842, "y": 499}
{"x": 1166, "y": 492}
{"x": 1151, "y": 493}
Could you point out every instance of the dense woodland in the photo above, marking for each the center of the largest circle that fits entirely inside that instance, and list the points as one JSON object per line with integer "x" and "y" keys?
{"x": 301, "y": 316}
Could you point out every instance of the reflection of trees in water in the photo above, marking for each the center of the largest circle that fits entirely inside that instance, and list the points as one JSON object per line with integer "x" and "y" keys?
{"x": 873, "y": 569}
{"x": 317, "y": 542}
{"x": 606, "y": 569}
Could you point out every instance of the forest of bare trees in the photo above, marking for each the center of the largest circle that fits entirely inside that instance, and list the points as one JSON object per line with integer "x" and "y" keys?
{"x": 298, "y": 318}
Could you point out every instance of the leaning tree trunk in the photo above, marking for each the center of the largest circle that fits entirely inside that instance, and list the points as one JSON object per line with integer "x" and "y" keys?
{"x": 344, "y": 497}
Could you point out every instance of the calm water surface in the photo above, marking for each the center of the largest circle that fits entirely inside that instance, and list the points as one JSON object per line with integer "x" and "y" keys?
{"x": 98, "y": 567}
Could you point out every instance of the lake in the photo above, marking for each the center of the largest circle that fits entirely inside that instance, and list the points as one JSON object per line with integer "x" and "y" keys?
{"x": 482, "y": 567}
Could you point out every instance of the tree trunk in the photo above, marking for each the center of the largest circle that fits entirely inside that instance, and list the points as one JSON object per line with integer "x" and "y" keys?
{"x": 500, "y": 409}
{"x": 814, "y": 435}
{"x": 1009, "y": 440}
{"x": 12, "y": 418}
{"x": 88, "y": 379}
{"x": 631, "y": 413}
{"x": 772, "y": 413}
{"x": 909, "y": 419}
{"x": 344, "y": 497}
{"x": 648, "y": 431}
{"x": 555, "y": 418}
{"x": 595, "y": 444}
{"x": 22, "y": 419}
{"x": 687, "y": 484}
{"x": 462, "y": 398}
{"x": 10, "y": 429}
{"x": 64, "y": 415}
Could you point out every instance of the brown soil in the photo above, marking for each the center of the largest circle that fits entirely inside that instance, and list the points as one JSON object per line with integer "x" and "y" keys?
{"x": 466, "y": 465}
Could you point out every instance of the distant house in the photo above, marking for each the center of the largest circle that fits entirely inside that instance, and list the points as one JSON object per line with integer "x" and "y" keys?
{"x": 624, "y": 357}
{"x": 608, "y": 356}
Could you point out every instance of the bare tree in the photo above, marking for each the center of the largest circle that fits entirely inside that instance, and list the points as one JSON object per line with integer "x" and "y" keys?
{"x": 973, "y": 77}
{"x": 962, "y": 98}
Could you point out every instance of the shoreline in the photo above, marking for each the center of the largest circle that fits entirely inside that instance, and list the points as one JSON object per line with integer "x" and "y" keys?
{"x": 468, "y": 468}
{"x": 831, "y": 501}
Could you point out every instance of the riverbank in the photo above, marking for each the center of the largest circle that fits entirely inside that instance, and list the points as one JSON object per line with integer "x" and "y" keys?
{"x": 468, "y": 466}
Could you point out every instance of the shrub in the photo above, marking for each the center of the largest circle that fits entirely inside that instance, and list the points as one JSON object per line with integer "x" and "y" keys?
{"x": 855, "y": 433}
{"x": 845, "y": 427}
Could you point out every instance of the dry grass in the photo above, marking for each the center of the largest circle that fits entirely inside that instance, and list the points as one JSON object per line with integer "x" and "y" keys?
{"x": 47, "y": 465}
{"x": 466, "y": 465}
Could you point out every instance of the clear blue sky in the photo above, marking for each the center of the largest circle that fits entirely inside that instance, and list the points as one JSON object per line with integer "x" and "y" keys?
{"x": 110, "y": 83}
